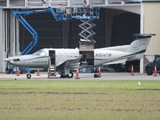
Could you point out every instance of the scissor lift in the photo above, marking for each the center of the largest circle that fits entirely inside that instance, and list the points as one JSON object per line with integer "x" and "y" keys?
{"x": 86, "y": 15}
{"x": 87, "y": 32}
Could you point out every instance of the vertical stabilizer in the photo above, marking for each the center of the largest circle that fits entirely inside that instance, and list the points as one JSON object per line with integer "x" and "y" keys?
{"x": 140, "y": 43}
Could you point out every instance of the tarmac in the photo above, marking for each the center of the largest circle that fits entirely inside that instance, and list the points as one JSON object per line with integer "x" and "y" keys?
{"x": 83, "y": 76}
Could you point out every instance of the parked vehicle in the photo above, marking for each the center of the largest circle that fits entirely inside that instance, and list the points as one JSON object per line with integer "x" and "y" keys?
{"x": 151, "y": 66}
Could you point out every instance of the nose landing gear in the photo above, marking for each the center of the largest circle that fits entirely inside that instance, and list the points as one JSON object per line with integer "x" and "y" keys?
{"x": 28, "y": 75}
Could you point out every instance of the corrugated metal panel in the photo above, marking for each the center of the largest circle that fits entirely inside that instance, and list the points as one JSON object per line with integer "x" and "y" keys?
{"x": 124, "y": 26}
{"x": 152, "y": 25}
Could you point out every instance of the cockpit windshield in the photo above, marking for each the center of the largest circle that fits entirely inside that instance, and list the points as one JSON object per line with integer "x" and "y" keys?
{"x": 40, "y": 53}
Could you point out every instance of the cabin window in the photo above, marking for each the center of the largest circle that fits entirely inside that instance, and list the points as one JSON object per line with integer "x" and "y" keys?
{"x": 42, "y": 53}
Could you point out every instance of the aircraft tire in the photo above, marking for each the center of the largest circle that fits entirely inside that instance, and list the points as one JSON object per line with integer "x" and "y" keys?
{"x": 28, "y": 76}
{"x": 63, "y": 76}
{"x": 8, "y": 70}
{"x": 70, "y": 75}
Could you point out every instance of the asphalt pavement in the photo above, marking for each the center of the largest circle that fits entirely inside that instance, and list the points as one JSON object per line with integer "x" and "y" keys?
{"x": 83, "y": 76}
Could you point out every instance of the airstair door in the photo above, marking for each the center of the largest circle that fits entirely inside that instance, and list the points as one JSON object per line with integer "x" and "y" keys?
{"x": 52, "y": 66}
{"x": 52, "y": 57}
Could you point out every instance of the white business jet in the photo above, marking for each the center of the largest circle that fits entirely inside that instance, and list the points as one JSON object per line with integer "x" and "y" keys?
{"x": 65, "y": 61}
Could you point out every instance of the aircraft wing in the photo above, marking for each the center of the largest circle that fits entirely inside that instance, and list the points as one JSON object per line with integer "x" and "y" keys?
{"x": 137, "y": 57}
{"x": 124, "y": 60}
{"x": 72, "y": 63}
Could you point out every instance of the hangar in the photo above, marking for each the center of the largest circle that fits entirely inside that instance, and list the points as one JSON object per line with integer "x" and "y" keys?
{"x": 118, "y": 20}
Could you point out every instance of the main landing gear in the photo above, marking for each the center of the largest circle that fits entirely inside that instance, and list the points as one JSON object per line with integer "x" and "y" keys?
{"x": 70, "y": 75}
{"x": 28, "y": 75}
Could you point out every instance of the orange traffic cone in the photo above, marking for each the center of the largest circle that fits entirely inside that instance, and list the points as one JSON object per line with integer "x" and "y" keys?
{"x": 77, "y": 74}
{"x": 132, "y": 70}
{"x": 99, "y": 71}
{"x": 48, "y": 73}
{"x": 17, "y": 72}
{"x": 38, "y": 72}
{"x": 155, "y": 71}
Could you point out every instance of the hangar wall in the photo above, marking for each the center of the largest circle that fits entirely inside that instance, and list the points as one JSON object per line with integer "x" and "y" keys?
{"x": 9, "y": 36}
{"x": 151, "y": 24}
{"x": 2, "y": 42}
{"x": 124, "y": 26}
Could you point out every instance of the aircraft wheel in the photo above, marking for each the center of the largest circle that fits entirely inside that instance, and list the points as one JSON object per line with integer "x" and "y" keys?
{"x": 70, "y": 75}
{"x": 63, "y": 76}
{"x": 28, "y": 76}
{"x": 8, "y": 70}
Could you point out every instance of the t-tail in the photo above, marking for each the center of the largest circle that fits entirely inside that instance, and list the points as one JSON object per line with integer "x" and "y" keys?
{"x": 140, "y": 43}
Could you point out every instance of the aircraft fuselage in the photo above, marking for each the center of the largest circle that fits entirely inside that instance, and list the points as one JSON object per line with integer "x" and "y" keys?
{"x": 41, "y": 59}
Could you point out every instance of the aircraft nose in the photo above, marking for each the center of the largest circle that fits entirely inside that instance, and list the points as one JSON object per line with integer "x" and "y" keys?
{"x": 6, "y": 60}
